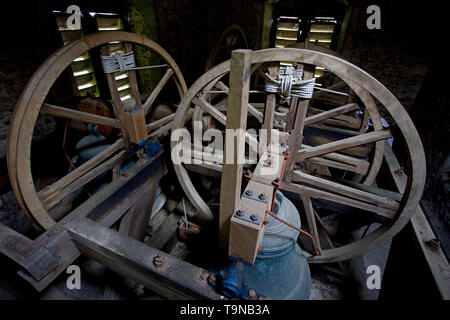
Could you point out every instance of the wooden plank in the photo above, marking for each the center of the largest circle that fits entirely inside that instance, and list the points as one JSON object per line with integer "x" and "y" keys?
{"x": 175, "y": 279}
{"x": 337, "y": 165}
{"x": 436, "y": 259}
{"x": 219, "y": 116}
{"x": 115, "y": 98}
{"x": 133, "y": 80}
{"x": 361, "y": 164}
{"x": 236, "y": 119}
{"x": 105, "y": 207}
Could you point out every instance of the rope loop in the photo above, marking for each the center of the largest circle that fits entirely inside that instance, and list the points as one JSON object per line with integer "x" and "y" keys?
{"x": 121, "y": 62}
{"x": 289, "y": 83}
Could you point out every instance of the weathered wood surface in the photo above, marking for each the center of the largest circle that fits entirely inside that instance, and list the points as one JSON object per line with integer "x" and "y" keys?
{"x": 31, "y": 103}
{"x": 364, "y": 87}
{"x": 245, "y": 237}
{"x": 175, "y": 279}
{"x": 236, "y": 119}
{"x": 106, "y": 207}
{"x": 435, "y": 258}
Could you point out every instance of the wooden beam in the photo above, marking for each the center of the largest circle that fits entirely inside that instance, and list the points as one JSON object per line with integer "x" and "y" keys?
{"x": 299, "y": 124}
{"x": 174, "y": 279}
{"x": 270, "y": 104}
{"x": 436, "y": 259}
{"x": 132, "y": 79}
{"x": 237, "y": 108}
{"x": 115, "y": 98}
{"x": 106, "y": 207}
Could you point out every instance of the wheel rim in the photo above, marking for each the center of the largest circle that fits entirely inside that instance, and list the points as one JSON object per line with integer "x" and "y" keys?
{"x": 344, "y": 70}
{"x": 30, "y": 103}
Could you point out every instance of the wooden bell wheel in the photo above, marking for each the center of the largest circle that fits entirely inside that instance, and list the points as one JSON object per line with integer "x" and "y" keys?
{"x": 33, "y": 103}
{"x": 351, "y": 118}
{"x": 319, "y": 194}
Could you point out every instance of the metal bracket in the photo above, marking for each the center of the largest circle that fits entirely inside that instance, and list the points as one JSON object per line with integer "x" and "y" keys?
{"x": 250, "y": 194}
{"x": 247, "y": 216}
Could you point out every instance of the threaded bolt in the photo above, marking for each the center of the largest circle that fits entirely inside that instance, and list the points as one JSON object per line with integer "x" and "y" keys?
{"x": 262, "y": 196}
{"x": 159, "y": 261}
{"x": 254, "y": 217}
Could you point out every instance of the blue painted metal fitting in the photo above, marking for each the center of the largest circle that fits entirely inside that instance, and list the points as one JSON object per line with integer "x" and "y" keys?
{"x": 233, "y": 282}
{"x": 150, "y": 147}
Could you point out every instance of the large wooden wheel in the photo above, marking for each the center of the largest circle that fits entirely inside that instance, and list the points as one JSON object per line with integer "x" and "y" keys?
{"x": 342, "y": 120}
{"x": 364, "y": 202}
{"x": 33, "y": 102}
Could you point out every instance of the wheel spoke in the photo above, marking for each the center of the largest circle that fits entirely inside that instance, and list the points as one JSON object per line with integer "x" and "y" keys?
{"x": 149, "y": 102}
{"x": 78, "y": 115}
{"x": 350, "y": 192}
{"x": 219, "y": 116}
{"x": 320, "y": 194}
{"x": 251, "y": 109}
{"x": 55, "y": 198}
{"x": 158, "y": 123}
{"x": 79, "y": 171}
{"x": 339, "y": 161}
{"x": 344, "y": 144}
{"x": 334, "y": 87}
{"x": 309, "y": 211}
{"x": 331, "y": 113}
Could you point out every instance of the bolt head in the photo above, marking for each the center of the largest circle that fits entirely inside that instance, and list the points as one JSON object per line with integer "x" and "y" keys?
{"x": 212, "y": 280}
{"x": 262, "y": 196}
{"x": 254, "y": 217}
{"x": 204, "y": 276}
{"x": 239, "y": 213}
{"x": 249, "y": 192}
{"x": 252, "y": 293}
